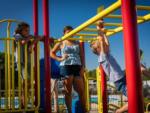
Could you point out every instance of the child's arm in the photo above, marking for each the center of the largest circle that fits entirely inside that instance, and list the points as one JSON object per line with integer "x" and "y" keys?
{"x": 102, "y": 33}
{"x": 54, "y": 51}
{"x": 26, "y": 40}
{"x": 102, "y": 46}
{"x": 106, "y": 39}
{"x": 36, "y": 39}
{"x": 41, "y": 38}
{"x": 102, "y": 37}
{"x": 22, "y": 40}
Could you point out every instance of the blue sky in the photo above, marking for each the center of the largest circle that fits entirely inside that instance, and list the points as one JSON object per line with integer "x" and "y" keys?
{"x": 73, "y": 12}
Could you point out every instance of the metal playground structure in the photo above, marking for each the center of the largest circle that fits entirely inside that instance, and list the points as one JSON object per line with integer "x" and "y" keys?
{"x": 11, "y": 91}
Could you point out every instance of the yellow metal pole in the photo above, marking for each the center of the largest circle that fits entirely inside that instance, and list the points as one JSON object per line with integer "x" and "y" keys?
{"x": 95, "y": 30}
{"x": 6, "y": 77}
{"x": 146, "y": 18}
{"x": 116, "y": 30}
{"x": 105, "y": 12}
{"x": 80, "y": 39}
{"x": 20, "y": 89}
{"x": 32, "y": 79}
{"x": 85, "y": 34}
{"x": 9, "y": 70}
{"x": 110, "y": 24}
{"x": 120, "y": 16}
{"x": 26, "y": 77}
{"x": 119, "y": 29}
{"x": 38, "y": 74}
{"x": 98, "y": 77}
{"x": 140, "y": 7}
{"x": 6, "y": 38}
{"x": 13, "y": 79}
{"x": 9, "y": 20}
{"x": 90, "y": 29}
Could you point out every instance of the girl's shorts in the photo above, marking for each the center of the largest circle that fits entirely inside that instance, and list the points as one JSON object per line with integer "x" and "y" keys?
{"x": 70, "y": 70}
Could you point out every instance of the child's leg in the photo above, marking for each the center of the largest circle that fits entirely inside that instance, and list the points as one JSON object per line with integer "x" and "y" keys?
{"x": 78, "y": 84}
{"x": 121, "y": 86}
{"x": 68, "y": 90}
{"x": 54, "y": 93}
{"x": 55, "y": 97}
{"x": 122, "y": 109}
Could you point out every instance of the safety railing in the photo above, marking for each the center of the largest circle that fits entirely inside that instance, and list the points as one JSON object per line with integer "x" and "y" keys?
{"x": 17, "y": 78}
{"x": 17, "y": 91}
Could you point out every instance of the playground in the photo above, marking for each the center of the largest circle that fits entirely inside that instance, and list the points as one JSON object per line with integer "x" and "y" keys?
{"x": 30, "y": 76}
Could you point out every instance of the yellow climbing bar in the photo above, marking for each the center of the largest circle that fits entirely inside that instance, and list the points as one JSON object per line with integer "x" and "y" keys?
{"x": 86, "y": 34}
{"x": 120, "y": 17}
{"x": 111, "y": 24}
{"x": 9, "y": 20}
{"x": 140, "y": 7}
{"x": 81, "y": 38}
{"x": 105, "y": 12}
{"x": 95, "y": 30}
{"x": 119, "y": 29}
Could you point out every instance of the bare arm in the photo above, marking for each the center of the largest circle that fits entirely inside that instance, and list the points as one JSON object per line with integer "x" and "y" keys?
{"x": 81, "y": 55}
{"x": 26, "y": 40}
{"x": 54, "y": 51}
{"x": 103, "y": 46}
{"x": 36, "y": 39}
{"x": 106, "y": 39}
{"x": 103, "y": 34}
{"x": 82, "y": 62}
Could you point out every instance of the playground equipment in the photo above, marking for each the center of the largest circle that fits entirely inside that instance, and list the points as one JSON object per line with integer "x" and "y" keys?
{"x": 130, "y": 21}
{"x": 132, "y": 61}
{"x": 11, "y": 84}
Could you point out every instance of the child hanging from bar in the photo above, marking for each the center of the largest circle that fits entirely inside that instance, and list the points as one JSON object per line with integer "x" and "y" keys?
{"x": 109, "y": 64}
{"x": 111, "y": 68}
{"x": 23, "y": 38}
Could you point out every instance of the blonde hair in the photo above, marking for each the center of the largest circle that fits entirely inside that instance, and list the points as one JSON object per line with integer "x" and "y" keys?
{"x": 94, "y": 45}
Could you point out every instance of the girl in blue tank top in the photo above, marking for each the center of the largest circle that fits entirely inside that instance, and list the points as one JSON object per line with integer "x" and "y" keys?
{"x": 70, "y": 69}
{"x": 73, "y": 53}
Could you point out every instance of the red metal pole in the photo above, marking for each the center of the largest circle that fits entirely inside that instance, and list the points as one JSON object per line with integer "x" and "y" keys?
{"x": 133, "y": 73}
{"x": 35, "y": 24}
{"x": 104, "y": 89}
{"x": 46, "y": 55}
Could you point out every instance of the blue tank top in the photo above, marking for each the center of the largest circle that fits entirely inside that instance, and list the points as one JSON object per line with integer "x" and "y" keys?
{"x": 73, "y": 53}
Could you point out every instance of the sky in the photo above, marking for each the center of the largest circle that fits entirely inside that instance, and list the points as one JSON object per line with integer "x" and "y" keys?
{"x": 74, "y": 13}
